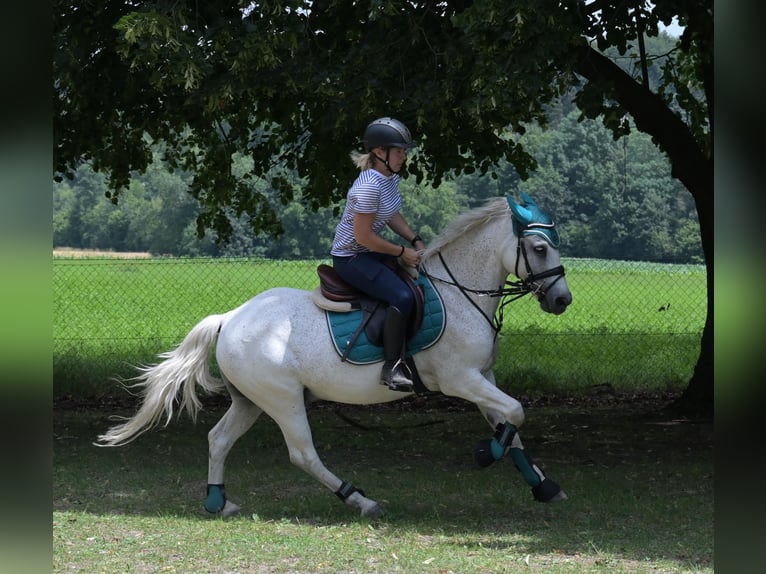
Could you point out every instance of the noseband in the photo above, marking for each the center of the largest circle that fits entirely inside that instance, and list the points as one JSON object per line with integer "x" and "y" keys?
{"x": 511, "y": 291}
{"x": 531, "y": 283}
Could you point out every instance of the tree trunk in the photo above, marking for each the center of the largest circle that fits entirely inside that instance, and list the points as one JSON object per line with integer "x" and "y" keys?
{"x": 697, "y": 399}
{"x": 692, "y": 167}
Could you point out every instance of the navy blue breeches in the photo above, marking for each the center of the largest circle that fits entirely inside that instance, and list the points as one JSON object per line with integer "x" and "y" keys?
{"x": 369, "y": 273}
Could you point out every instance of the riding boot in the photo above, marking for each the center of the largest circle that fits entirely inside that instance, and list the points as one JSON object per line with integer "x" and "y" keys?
{"x": 395, "y": 374}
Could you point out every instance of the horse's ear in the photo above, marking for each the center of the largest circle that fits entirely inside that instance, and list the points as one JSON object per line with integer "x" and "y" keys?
{"x": 522, "y": 214}
{"x": 528, "y": 200}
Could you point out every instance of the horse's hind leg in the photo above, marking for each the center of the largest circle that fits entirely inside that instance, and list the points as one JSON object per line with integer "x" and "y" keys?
{"x": 238, "y": 419}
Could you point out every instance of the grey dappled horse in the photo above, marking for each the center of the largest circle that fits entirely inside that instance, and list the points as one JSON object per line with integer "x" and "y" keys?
{"x": 274, "y": 353}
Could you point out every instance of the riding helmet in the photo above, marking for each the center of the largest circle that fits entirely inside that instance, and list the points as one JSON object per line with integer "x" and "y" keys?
{"x": 387, "y": 132}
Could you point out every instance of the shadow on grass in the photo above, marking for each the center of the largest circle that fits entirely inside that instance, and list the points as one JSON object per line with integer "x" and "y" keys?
{"x": 640, "y": 482}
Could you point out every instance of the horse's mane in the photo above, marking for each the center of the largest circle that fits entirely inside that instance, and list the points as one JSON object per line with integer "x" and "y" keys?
{"x": 491, "y": 209}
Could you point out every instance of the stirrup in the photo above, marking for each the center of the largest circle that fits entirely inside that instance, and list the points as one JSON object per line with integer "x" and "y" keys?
{"x": 404, "y": 387}
{"x": 404, "y": 384}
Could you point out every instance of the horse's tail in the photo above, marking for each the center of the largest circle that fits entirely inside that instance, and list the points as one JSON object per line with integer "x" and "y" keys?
{"x": 182, "y": 369}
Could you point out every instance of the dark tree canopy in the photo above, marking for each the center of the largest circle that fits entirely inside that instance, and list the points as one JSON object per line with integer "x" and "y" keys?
{"x": 292, "y": 83}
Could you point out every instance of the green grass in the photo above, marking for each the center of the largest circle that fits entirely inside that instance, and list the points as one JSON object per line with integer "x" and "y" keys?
{"x": 640, "y": 484}
{"x": 640, "y": 488}
{"x": 631, "y": 325}
{"x": 561, "y": 363}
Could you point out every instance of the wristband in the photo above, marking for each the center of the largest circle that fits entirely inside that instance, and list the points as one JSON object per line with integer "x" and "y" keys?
{"x": 402, "y": 253}
{"x": 414, "y": 239}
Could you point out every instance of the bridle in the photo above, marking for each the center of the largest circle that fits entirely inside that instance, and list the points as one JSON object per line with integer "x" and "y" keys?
{"x": 511, "y": 290}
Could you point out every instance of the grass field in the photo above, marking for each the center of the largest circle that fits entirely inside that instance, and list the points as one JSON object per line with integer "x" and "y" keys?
{"x": 640, "y": 483}
{"x": 631, "y": 326}
{"x": 640, "y": 488}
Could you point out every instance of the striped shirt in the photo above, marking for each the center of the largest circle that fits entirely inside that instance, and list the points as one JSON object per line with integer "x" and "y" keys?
{"x": 372, "y": 192}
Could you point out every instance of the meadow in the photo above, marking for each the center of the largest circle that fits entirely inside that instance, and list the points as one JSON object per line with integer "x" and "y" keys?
{"x": 640, "y": 487}
{"x": 593, "y": 382}
{"x": 632, "y": 325}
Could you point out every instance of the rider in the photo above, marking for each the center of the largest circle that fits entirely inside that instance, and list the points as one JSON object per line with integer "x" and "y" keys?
{"x": 362, "y": 257}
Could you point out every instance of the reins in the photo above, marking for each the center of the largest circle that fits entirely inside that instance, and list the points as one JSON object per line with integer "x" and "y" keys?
{"x": 509, "y": 292}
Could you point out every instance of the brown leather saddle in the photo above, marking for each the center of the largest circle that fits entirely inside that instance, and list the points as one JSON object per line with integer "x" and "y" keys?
{"x": 334, "y": 288}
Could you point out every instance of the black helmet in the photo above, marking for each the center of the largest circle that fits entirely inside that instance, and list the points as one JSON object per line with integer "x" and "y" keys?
{"x": 387, "y": 132}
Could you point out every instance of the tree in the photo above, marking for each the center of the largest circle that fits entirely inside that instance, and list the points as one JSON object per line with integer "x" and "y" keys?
{"x": 680, "y": 122}
{"x": 293, "y": 82}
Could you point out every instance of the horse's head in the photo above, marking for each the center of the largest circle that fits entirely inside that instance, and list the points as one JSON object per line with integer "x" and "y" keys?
{"x": 536, "y": 260}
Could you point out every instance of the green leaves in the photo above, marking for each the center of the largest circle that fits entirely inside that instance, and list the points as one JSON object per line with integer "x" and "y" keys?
{"x": 295, "y": 82}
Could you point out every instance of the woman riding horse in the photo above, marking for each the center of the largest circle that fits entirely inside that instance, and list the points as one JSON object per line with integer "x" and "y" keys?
{"x": 275, "y": 352}
{"x": 362, "y": 257}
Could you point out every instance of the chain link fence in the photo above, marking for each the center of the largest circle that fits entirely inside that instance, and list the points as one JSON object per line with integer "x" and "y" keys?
{"x": 631, "y": 324}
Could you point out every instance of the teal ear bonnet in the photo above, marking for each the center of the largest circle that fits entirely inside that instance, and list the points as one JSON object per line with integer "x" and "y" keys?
{"x": 529, "y": 219}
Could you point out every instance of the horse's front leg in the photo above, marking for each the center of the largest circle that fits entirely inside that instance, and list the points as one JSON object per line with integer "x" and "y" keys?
{"x": 506, "y": 415}
{"x": 297, "y": 436}
{"x": 507, "y": 442}
{"x": 289, "y": 412}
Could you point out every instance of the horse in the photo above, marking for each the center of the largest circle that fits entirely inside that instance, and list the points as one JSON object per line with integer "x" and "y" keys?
{"x": 274, "y": 354}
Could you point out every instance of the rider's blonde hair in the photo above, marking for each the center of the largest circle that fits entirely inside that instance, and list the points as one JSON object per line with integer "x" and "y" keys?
{"x": 363, "y": 161}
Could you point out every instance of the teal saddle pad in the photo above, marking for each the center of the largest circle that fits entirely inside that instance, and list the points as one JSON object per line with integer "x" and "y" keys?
{"x": 343, "y": 325}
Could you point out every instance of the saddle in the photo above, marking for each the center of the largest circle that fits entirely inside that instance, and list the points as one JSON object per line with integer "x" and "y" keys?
{"x": 334, "y": 294}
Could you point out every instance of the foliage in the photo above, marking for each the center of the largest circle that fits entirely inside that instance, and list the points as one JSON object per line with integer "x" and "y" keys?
{"x": 291, "y": 84}
{"x": 611, "y": 199}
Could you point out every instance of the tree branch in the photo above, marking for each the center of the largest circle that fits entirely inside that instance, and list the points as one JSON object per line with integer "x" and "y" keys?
{"x": 652, "y": 116}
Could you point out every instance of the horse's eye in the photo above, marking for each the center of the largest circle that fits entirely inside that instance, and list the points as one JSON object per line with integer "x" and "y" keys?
{"x": 540, "y": 249}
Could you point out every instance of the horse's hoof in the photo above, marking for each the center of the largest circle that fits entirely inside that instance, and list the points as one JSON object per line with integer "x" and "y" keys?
{"x": 374, "y": 511}
{"x": 230, "y": 509}
{"x": 548, "y": 491}
{"x": 561, "y": 496}
{"x": 482, "y": 453}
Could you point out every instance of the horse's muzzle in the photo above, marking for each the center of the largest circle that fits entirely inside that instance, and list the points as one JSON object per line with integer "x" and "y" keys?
{"x": 558, "y": 305}
{"x": 553, "y": 299}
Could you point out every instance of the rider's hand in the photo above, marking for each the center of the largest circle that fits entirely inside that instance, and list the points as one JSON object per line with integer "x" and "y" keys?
{"x": 410, "y": 257}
